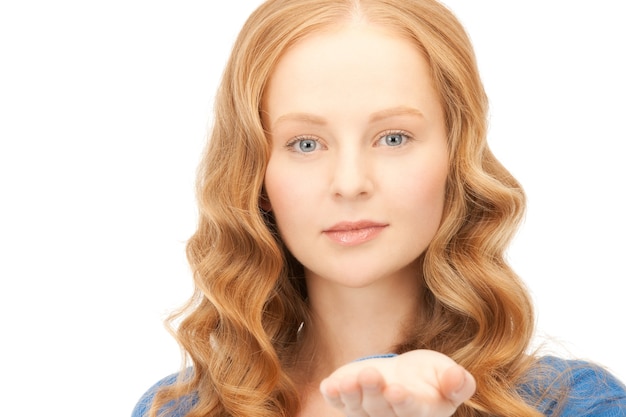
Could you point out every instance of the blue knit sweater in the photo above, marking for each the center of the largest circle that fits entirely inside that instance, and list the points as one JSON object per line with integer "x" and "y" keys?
{"x": 590, "y": 391}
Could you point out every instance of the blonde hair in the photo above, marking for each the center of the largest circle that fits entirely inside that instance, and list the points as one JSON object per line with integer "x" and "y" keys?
{"x": 240, "y": 327}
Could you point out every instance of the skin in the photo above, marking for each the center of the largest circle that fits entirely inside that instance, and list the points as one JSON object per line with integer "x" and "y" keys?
{"x": 417, "y": 383}
{"x": 358, "y": 134}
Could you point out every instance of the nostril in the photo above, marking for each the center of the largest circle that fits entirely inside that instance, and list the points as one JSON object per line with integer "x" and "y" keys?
{"x": 351, "y": 181}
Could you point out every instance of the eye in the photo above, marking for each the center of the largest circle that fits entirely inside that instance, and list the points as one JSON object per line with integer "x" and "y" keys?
{"x": 393, "y": 138}
{"x": 303, "y": 145}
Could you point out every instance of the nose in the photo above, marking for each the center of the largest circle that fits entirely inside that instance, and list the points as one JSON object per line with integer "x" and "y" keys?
{"x": 352, "y": 175}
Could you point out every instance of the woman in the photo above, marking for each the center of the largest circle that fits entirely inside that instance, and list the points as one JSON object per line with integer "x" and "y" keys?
{"x": 349, "y": 256}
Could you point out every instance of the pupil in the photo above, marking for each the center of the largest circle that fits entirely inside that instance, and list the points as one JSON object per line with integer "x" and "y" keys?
{"x": 394, "y": 139}
{"x": 307, "y": 145}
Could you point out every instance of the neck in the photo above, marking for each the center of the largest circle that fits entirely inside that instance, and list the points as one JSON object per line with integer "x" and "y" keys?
{"x": 351, "y": 323}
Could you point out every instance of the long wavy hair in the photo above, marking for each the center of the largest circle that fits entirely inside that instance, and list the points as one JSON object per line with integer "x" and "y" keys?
{"x": 240, "y": 328}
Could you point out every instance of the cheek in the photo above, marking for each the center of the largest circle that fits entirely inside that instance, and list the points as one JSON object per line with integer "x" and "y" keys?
{"x": 284, "y": 189}
{"x": 291, "y": 202}
{"x": 275, "y": 185}
{"x": 422, "y": 200}
{"x": 425, "y": 187}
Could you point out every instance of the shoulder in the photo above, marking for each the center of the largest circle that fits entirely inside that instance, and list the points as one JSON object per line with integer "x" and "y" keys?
{"x": 177, "y": 408}
{"x": 576, "y": 388}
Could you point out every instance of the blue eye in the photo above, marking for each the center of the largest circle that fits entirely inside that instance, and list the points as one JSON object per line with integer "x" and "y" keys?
{"x": 393, "y": 139}
{"x": 307, "y": 145}
{"x": 304, "y": 145}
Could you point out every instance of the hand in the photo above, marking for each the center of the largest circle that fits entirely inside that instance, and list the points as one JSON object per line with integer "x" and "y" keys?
{"x": 420, "y": 383}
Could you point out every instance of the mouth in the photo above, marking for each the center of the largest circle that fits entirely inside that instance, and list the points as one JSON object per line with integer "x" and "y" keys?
{"x": 354, "y": 233}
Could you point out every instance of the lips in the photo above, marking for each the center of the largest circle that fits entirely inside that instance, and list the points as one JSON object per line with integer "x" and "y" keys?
{"x": 354, "y": 233}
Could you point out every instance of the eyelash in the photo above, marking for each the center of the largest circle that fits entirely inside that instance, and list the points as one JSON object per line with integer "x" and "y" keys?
{"x": 407, "y": 137}
{"x": 293, "y": 142}
{"x": 298, "y": 139}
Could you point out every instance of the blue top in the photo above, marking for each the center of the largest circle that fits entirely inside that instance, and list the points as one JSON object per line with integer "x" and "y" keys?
{"x": 592, "y": 391}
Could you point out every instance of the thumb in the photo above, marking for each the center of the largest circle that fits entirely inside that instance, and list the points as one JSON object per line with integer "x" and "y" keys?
{"x": 457, "y": 385}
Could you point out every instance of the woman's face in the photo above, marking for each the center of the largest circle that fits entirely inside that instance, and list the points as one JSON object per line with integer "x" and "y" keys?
{"x": 357, "y": 173}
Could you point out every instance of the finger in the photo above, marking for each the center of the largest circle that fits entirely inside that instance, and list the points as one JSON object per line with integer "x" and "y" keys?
{"x": 401, "y": 401}
{"x": 351, "y": 396}
{"x": 457, "y": 385}
{"x": 331, "y": 393}
{"x": 374, "y": 402}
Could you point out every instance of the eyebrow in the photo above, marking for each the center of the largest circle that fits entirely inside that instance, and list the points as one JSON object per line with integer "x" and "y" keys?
{"x": 301, "y": 117}
{"x": 374, "y": 117}
{"x": 395, "y": 111}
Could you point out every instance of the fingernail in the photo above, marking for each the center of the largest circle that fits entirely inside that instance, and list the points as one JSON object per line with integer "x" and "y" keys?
{"x": 461, "y": 384}
{"x": 458, "y": 394}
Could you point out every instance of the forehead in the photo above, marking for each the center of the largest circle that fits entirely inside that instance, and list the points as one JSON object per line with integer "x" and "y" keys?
{"x": 355, "y": 66}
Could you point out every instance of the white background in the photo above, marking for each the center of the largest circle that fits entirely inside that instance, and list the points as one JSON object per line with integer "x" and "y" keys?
{"x": 104, "y": 107}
